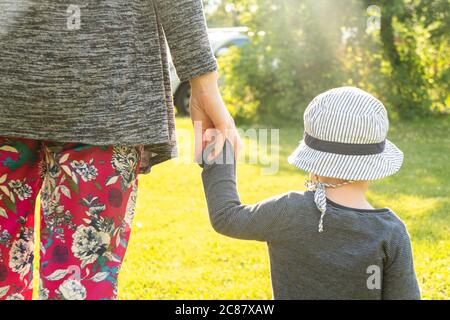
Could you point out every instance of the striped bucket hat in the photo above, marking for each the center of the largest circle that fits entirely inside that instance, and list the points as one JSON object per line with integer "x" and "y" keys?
{"x": 345, "y": 138}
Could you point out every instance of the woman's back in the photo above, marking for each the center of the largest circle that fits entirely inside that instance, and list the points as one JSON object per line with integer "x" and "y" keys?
{"x": 97, "y": 72}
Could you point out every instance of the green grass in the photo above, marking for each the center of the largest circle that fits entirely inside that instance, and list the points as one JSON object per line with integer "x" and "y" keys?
{"x": 175, "y": 254}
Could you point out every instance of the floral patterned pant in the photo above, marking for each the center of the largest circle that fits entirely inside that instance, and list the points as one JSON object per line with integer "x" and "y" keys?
{"x": 88, "y": 195}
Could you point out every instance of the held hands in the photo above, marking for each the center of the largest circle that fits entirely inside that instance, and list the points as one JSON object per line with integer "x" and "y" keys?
{"x": 208, "y": 111}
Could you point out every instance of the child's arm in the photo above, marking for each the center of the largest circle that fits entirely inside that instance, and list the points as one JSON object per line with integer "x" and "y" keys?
{"x": 399, "y": 278}
{"x": 262, "y": 221}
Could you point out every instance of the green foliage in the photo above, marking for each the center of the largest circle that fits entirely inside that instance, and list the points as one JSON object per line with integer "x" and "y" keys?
{"x": 297, "y": 51}
{"x": 220, "y": 14}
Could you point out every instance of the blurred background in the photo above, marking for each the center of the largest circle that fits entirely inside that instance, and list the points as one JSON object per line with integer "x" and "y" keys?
{"x": 289, "y": 51}
{"x": 274, "y": 57}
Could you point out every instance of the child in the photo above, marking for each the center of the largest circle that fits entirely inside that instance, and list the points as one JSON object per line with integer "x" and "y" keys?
{"x": 327, "y": 242}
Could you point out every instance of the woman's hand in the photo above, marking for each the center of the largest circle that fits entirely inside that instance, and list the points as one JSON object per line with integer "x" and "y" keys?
{"x": 208, "y": 111}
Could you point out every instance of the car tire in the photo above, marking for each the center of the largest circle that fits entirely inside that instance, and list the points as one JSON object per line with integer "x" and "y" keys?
{"x": 182, "y": 97}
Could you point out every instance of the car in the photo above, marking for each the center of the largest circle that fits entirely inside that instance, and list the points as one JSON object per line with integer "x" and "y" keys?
{"x": 221, "y": 39}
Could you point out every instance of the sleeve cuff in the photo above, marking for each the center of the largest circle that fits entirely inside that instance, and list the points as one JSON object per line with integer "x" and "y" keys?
{"x": 197, "y": 71}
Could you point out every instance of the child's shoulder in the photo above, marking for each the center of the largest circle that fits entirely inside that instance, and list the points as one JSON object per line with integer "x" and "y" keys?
{"x": 300, "y": 199}
{"x": 395, "y": 222}
{"x": 295, "y": 195}
{"x": 395, "y": 229}
{"x": 291, "y": 199}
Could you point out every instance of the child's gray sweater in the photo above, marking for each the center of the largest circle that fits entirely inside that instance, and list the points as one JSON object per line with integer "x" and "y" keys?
{"x": 343, "y": 262}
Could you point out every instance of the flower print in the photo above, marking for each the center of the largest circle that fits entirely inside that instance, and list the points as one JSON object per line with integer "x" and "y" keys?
{"x": 60, "y": 254}
{"x": 42, "y": 169}
{"x": 21, "y": 257}
{"x": 89, "y": 244}
{"x": 94, "y": 212}
{"x": 43, "y": 292}
{"x": 54, "y": 170}
{"x": 15, "y": 296}
{"x": 45, "y": 197}
{"x": 55, "y": 214}
{"x": 103, "y": 224}
{"x": 5, "y": 237}
{"x": 115, "y": 197}
{"x": 95, "y": 207}
{"x": 3, "y": 272}
{"x": 124, "y": 160}
{"x": 87, "y": 171}
{"x": 50, "y": 201}
{"x": 20, "y": 188}
{"x": 131, "y": 204}
{"x": 72, "y": 290}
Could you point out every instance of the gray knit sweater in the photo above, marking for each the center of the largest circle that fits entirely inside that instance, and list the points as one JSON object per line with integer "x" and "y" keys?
{"x": 361, "y": 254}
{"x": 96, "y": 71}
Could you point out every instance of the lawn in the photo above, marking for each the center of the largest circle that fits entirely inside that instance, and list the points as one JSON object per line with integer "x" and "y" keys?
{"x": 175, "y": 254}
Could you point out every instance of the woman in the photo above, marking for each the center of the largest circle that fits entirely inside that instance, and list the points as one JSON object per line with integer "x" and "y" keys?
{"x": 86, "y": 106}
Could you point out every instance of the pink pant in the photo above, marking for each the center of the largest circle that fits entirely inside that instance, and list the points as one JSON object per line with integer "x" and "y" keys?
{"x": 88, "y": 194}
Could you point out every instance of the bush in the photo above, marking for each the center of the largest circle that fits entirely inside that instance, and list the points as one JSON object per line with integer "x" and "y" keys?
{"x": 296, "y": 51}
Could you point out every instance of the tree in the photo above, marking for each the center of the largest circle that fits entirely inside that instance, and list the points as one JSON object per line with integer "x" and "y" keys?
{"x": 300, "y": 48}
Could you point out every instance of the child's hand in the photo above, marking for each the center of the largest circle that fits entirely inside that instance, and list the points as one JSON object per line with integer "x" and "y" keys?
{"x": 210, "y": 151}
{"x": 209, "y": 144}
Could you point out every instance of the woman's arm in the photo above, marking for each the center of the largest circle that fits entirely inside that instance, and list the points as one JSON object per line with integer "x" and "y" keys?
{"x": 184, "y": 25}
{"x": 185, "y": 29}
{"x": 208, "y": 111}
